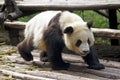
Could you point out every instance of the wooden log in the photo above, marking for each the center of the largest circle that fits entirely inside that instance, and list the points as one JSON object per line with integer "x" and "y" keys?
{"x": 14, "y": 36}
{"x": 110, "y": 73}
{"x": 58, "y": 6}
{"x": 78, "y": 65}
{"x": 57, "y": 75}
{"x": 22, "y": 76}
{"x": 103, "y": 13}
{"x": 14, "y": 15}
{"x": 78, "y": 59}
{"x": 106, "y": 33}
{"x": 69, "y": 5}
{"x": 2, "y": 18}
{"x": 101, "y": 73}
{"x": 15, "y": 24}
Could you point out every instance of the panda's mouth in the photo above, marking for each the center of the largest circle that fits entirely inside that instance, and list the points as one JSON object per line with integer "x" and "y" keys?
{"x": 84, "y": 53}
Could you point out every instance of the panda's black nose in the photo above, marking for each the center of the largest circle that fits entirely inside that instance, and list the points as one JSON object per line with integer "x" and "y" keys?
{"x": 86, "y": 52}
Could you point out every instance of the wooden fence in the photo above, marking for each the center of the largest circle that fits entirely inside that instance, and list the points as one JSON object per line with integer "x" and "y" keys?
{"x": 29, "y": 7}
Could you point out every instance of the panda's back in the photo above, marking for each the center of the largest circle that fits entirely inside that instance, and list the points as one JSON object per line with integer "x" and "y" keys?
{"x": 39, "y": 23}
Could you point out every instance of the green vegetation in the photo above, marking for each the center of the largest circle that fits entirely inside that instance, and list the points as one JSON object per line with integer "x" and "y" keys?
{"x": 26, "y": 18}
{"x": 99, "y": 21}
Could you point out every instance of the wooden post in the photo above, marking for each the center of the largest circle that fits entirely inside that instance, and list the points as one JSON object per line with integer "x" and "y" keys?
{"x": 12, "y": 13}
{"x": 14, "y": 36}
{"x": 113, "y": 24}
{"x": 2, "y": 19}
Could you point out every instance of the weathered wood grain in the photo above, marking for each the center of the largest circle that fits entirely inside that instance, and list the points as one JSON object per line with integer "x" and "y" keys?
{"x": 78, "y": 65}
{"x": 23, "y": 76}
{"x": 38, "y": 5}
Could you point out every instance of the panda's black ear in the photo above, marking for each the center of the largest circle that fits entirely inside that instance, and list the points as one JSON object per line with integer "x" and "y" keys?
{"x": 89, "y": 24}
{"x": 68, "y": 29}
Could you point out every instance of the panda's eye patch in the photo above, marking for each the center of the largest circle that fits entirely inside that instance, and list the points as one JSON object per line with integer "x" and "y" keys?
{"x": 88, "y": 41}
{"x": 78, "y": 43}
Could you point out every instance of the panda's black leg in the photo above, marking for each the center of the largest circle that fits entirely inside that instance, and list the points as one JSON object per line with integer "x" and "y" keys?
{"x": 24, "y": 48}
{"x": 44, "y": 56}
{"x": 92, "y": 60}
{"x": 54, "y": 51}
{"x": 55, "y": 57}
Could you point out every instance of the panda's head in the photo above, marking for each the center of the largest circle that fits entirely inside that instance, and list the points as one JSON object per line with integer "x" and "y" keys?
{"x": 78, "y": 37}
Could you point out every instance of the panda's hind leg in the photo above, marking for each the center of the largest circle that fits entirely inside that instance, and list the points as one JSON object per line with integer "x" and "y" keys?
{"x": 43, "y": 56}
{"x": 92, "y": 60}
{"x": 24, "y": 48}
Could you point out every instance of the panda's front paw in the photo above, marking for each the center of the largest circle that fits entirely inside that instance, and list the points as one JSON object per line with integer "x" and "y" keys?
{"x": 63, "y": 66}
{"x": 44, "y": 59}
{"x": 97, "y": 67}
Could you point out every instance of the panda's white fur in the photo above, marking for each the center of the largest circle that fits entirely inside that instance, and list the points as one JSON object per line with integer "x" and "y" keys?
{"x": 37, "y": 25}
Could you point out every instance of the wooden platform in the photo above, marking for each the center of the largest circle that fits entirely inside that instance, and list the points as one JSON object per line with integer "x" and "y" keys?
{"x": 14, "y": 67}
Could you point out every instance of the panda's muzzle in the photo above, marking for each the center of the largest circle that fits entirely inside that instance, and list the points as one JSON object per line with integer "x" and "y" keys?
{"x": 86, "y": 52}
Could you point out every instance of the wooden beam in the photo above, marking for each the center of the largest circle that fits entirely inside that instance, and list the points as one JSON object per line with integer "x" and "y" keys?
{"x": 66, "y": 5}
{"x": 22, "y": 75}
{"x": 102, "y": 12}
{"x": 106, "y": 33}
{"x": 78, "y": 65}
{"x": 38, "y": 7}
{"x": 15, "y": 24}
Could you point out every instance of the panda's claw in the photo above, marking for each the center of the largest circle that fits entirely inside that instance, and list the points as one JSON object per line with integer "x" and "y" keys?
{"x": 97, "y": 67}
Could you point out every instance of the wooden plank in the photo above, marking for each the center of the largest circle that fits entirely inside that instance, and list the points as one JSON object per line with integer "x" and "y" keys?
{"x": 106, "y": 33}
{"x": 14, "y": 36}
{"x": 110, "y": 73}
{"x": 15, "y": 24}
{"x": 78, "y": 59}
{"x": 38, "y": 5}
{"x": 22, "y": 76}
{"x": 57, "y": 75}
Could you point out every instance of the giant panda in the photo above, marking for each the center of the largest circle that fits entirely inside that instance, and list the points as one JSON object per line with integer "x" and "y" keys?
{"x": 51, "y": 31}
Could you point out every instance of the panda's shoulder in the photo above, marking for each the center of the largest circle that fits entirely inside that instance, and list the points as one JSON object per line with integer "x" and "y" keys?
{"x": 71, "y": 14}
{"x": 42, "y": 18}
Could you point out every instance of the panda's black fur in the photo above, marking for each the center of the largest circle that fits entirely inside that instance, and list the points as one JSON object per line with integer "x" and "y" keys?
{"x": 55, "y": 44}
